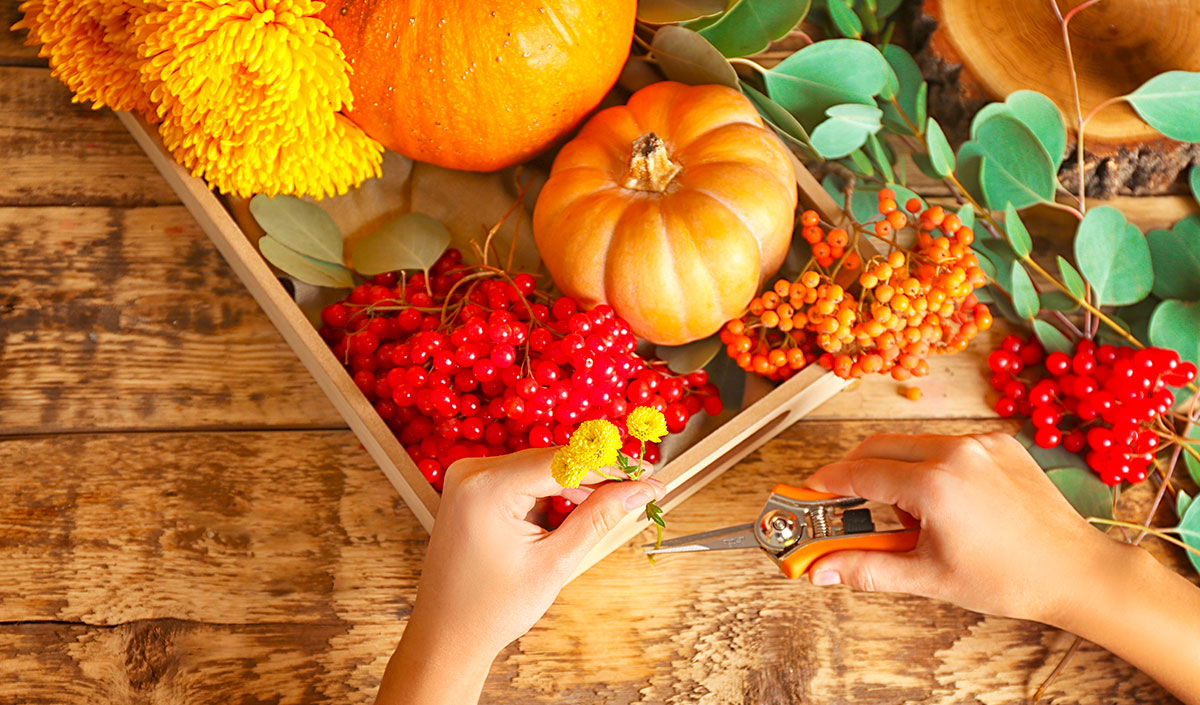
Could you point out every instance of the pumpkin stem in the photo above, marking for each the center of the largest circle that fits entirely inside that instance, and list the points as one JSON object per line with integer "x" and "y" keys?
{"x": 650, "y": 169}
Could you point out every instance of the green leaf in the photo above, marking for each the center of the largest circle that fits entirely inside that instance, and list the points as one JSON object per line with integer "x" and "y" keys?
{"x": 1071, "y": 279}
{"x": 1134, "y": 319}
{"x": 966, "y": 215}
{"x": 1189, "y": 532}
{"x": 1018, "y": 235}
{"x": 750, "y": 25}
{"x": 879, "y": 154}
{"x": 1176, "y": 325}
{"x": 1058, "y": 301}
{"x": 986, "y": 113}
{"x": 682, "y": 359}
{"x": 305, "y": 268}
{"x": 1114, "y": 257}
{"x": 1047, "y": 458}
{"x": 859, "y": 163}
{"x": 1015, "y": 167}
{"x": 687, "y": 57}
{"x": 911, "y": 94}
{"x": 941, "y": 156}
{"x": 1052, "y": 338}
{"x": 1170, "y": 102}
{"x": 864, "y": 202}
{"x": 970, "y": 164}
{"x": 1193, "y": 465}
{"x": 1182, "y": 501}
{"x": 1042, "y": 117}
{"x": 1194, "y": 182}
{"x": 1024, "y": 295}
{"x": 301, "y": 226}
{"x": 668, "y": 11}
{"x": 783, "y": 121}
{"x": 1084, "y": 490}
{"x": 1175, "y": 254}
{"x": 409, "y": 241}
{"x": 1001, "y": 257}
{"x": 825, "y": 74}
{"x": 847, "y": 129}
{"x": 844, "y": 19}
{"x": 1003, "y": 305}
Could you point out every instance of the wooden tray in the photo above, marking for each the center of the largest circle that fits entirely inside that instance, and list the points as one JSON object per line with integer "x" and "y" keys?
{"x": 767, "y": 411}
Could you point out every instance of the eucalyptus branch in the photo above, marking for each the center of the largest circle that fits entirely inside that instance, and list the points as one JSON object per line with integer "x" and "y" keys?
{"x": 1156, "y": 533}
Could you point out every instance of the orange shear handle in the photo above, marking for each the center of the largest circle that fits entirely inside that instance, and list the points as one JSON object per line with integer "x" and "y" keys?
{"x": 798, "y": 562}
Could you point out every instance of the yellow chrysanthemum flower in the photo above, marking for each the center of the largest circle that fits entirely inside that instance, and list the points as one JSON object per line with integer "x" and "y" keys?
{"x": 249, "y": 94}
{"x": 91, "y": 48}
{"x": 646, "y": 424}
{"x": 596, "y": 443}
{"x": 566, "y": 469}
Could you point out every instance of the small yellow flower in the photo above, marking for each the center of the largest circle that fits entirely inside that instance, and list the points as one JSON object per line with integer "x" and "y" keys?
{"x": 596, "y": 443}
{"x": 646, "y": 424}
{"x": 566, "y": 469}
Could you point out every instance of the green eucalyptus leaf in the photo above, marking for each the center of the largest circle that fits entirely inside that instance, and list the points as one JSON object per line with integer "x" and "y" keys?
{"x": 1170, "y": 102}
{"x": 668, "y": 11}
{"x": 1042, "y": 117}
{"x": 1058, "y": 301}
{"x": 864, "y": 201}
{"x": 1084, "y": 490}
{"x": 986, "y": 113}
{"x": 1047, "y": 458}
{"x": 687, "y": 57}
{"x": 409, "y": 241}
{"x": 1193, "y": 465}
{"x": 1024, "y": 295}
{"x": 924, "y": 164}
{"x": 682, "y": 359}
{"x": 970, "y": 164}
{"x": 966, "y": 215}
{"x": 1052, "y": 338}
{"x": 1175, "y": 254}
{"x": 750, "y": 25}
{"x": 1018, "y": 235}
{"x": 1003, "y": 305}
{"x": 911, "y": 93}
{"x": 301, "y": 226}
{"x": 1136, "y": 318}
{"x": 1114, "y": 257}
{"x": 1189, "y": 532}
{"x": 878, "y": 152}
{"x": 784, "y": 122}
{"x": 307, "y": 269}
{"x": 1015, "y": 169}
{"x": 1000, "y": 255}
{"x": 1071, "y": 279}
{"x": 847, "y": 129}
{"x": 825, "y": 74}
{"x": 1194, "y": 181}
{"x": 1182, "y": 501}
{"x": 941, "y": 156}
{"x": 1176, "y": 325}
{"x": 859, "y": 163}
{"x": 844, "y": 19}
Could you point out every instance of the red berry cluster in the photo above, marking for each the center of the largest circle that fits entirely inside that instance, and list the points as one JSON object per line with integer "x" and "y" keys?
{"x": 471, "y": 362}
{"x": 1105, "y": 401}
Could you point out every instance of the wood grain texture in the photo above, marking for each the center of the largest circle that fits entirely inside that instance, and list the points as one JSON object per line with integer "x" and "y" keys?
{"x": 58, "y": 153}
{"x": 179, "y": 568}
{"x": 118, "y": 319}
{"x": 13, "y": 50}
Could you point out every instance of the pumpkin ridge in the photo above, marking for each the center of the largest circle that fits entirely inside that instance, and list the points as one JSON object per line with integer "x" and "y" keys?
{"x": 620, "y": 238}
{"x": 691, "y": 240}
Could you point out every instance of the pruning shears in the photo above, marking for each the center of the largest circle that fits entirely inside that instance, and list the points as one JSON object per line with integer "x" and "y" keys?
{"x": 797, "y": 526}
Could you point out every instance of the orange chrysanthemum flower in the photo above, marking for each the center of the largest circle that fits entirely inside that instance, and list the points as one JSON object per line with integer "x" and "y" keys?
{"x": 91, "y": 48}
{"x": 249, "y": 94}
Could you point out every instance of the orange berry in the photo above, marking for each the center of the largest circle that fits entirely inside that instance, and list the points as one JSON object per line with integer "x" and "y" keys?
{"x": 743, "y": 343}
{"x": 896, "y": 259}
{"x": 838, "y": 238}
{"x": 977, "y": 277}
{"x": 756, "y": 306}
{"x": 770, "y": 319}
{"x": 836, "y": 251}
{"x": 835, "y": 291}
{"x": 900, "y": 374}
{"x": 799, "y": 320}
{"x": 951, "y": 224}
{"x": 912, "y": 393}
{"x": 884, "y": 272}
{"x": 812, "y": 234}
{"x": 770, "y": 300}
{"x": 737, "y": 326}
{"x": 810, "y": 217}
{"x": 846, "y": 316}
{"x": 935, "y": 297}
{"x": 884, "y": 293}
{"x": 810, "y": 279}
{"x": 829, "y": 325}
{"x": 886, "y": 205}
{"x": 785, "y": 323}
{"x": 825, "y": 262}
{"x": 784, "y": 311}
{"x": 868, "y": 280}
{"x": 911, "y": 286}
{"x": 745, "y": 360}
{"x": 783, "y": 287}
{"x": 874, "y": 329}
{"x": 821, "y": 250}
{"x": 887, "y": 193}
{"x": 924, "y": 239}
{"x": 983, "y": 318}
{"x": 899, "y": 303}
{"x": 912, "y": 205}
{"x": 797, "y": 291}
{"x": 761, "y": 364}
{"x": 883, "y": 228}
{"x": 777, "y": 357}
{"x": 921, "y": 369}
{"x": 842, "y": 365}
{"x": 965, "y": 236}
{"x": 852, "y": 261}
{"x": 935, "y": 215}
{"x": 897, "y": 219}
{"x": 795, "y": 358}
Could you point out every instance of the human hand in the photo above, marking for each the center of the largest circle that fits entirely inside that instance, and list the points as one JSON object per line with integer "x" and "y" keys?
{"x": 996, "y": 535}
{"x": 490, "y": 574}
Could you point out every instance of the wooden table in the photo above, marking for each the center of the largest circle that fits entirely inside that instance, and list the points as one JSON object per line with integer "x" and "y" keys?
{"x": 185, "y": 519}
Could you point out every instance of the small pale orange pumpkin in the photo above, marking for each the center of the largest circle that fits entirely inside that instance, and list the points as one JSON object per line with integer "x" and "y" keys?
{"x": 673, "y": 209}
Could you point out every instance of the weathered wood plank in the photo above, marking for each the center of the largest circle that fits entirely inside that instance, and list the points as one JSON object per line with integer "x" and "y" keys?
{"x": 119, "y": 319}
{"x": 59, "y": 153}
{"x": 268, "y": 539}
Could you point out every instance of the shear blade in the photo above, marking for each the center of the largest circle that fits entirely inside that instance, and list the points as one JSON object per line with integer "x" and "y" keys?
{"x": 733, "y": 537}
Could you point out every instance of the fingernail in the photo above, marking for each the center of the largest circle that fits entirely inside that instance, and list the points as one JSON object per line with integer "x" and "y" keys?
{"x": 576, "y": 495}
{"x": 638, "y": 499}
{"x": 657, "y": 483}
{"x": 826, "y": 577}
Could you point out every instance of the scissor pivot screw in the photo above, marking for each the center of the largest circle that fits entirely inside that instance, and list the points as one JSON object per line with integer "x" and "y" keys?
{"x": 779, "y": 528}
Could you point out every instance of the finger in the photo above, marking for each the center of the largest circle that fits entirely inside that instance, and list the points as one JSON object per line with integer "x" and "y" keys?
{"x": 887, "y": 481}
{"x": 907, "y": 447}
{"x": 528, "y": 473}
{"x": 591, "y": 521}
{"x": 871, "y": 571}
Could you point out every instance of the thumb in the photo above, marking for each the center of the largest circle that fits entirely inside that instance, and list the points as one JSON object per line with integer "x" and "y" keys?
{"x": 592, "y": 519}
{"x": 870, "y": 571}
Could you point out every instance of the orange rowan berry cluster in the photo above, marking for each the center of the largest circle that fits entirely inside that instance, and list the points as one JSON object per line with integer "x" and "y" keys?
{"x": 907, "y": 304}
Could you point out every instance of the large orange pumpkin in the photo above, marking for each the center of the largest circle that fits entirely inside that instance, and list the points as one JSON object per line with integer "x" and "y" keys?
{"x": 477, "y": 85}
{"x": 673, "y": 208}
